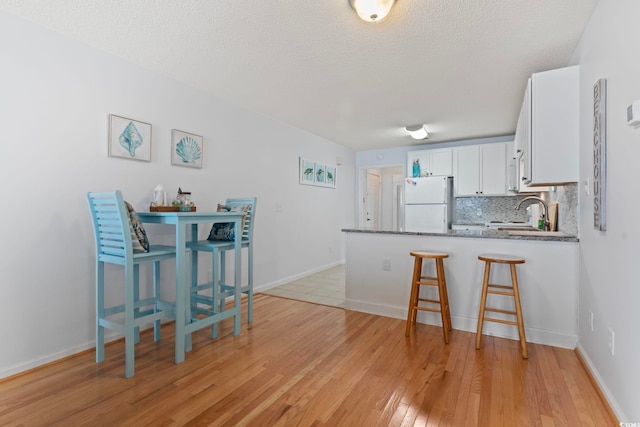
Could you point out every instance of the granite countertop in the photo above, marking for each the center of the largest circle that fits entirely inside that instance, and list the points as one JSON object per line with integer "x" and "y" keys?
{"x": 482, "y": 234}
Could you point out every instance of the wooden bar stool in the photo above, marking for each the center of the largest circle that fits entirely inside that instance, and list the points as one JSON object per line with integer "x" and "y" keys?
{"x": 439, "y": 281}
{"x": 512, "y": 291}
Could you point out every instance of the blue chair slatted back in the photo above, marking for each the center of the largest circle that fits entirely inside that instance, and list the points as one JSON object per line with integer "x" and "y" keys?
{"x": 247, "y": 231}
{"x": 111, "y": 226}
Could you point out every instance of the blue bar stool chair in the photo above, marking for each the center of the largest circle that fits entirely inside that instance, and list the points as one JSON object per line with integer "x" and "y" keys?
{"x": 113, "y": 226}
{"x": 212, "y": 301}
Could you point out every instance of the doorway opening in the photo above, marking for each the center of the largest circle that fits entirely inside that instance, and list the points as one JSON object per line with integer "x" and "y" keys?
{"x": 380, "y": 198}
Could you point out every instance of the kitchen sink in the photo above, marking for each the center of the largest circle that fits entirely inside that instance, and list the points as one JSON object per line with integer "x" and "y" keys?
{"x": 518, "y": 229}
{"x": 536, "y": 232}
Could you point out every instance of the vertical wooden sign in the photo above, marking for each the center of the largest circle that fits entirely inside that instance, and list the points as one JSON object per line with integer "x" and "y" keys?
{"x": 599, "y": 154}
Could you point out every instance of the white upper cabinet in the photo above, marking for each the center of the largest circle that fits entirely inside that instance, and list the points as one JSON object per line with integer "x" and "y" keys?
{"x": 466, "y": 181}
{"x": 481, "y": 170}
{"x": 441, "y": 162}
{"x": 548, "y": 128}
{"x": 432, "y": 162}
{"x": 493, "y": 169}
{"x": 523, "y": 138}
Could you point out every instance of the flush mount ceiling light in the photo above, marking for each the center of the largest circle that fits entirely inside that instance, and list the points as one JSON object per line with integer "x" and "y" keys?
{"x": 417, "y": 131}
{"x": 372, "y": 10}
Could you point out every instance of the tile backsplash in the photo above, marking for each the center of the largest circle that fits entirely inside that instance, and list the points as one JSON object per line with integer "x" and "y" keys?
{"x": 567, "y": 198}
{"x": 479, "y": 210}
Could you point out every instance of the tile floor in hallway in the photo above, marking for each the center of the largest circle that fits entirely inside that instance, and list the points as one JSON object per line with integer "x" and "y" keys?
{"x": 325, "y": 287}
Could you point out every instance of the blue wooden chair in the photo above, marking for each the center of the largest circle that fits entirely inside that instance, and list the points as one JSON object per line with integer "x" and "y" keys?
{"x": 114, "y": 245}
{"x": 217, "y": 291}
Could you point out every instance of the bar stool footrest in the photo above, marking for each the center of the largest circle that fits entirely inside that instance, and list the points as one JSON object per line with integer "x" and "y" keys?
{"x": 434, "y": 310}
{"x": 500, "y": 286}
{"x": 506, "y": 322}
{"x": 433, "y": 301}
{"x": 496, "y": 310}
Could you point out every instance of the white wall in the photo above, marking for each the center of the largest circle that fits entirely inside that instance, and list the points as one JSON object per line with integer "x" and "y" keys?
{"x": 56, "y": 95}
{"x": 609, "y": 285}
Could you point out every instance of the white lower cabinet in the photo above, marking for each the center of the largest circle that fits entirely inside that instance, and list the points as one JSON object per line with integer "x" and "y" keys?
{"x": 480, "y": 170}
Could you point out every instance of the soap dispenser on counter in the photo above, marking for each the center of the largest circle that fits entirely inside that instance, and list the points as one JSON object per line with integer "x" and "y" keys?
{"x": 533, "y": 215}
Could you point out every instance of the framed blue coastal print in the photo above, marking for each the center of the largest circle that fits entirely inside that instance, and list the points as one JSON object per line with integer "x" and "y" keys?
{"x": 129, "y": 139}
{"x": 186, "y": 149}
{"x": 307, "y": 171}
{"x": 318, "y": 174}
{"x": 330, "y": 176}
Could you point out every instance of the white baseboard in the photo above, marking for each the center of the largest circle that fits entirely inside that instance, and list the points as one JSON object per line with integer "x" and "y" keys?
{"x": 285, "y": 280}
{"x": 538, "y": 336}
{"x": 49, "y": 358}
{"x": 601, "y": 384}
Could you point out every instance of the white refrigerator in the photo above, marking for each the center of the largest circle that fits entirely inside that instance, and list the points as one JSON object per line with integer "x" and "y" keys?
{"x": 428, "y": 204}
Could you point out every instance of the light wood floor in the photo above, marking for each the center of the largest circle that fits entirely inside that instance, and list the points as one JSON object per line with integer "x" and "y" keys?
{"x": 307, "y": 364}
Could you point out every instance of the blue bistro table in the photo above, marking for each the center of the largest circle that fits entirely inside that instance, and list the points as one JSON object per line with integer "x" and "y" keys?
{"x": 185, "y": 325}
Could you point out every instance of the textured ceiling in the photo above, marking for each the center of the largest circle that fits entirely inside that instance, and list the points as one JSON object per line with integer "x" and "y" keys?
{"x": 460, "y": 66}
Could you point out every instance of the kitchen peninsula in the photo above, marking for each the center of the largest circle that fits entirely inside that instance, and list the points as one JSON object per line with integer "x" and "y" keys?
{"x": 379, "y": 268}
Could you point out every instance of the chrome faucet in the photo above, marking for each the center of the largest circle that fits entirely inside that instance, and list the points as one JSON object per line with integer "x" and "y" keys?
{"x": 545, "y": 216}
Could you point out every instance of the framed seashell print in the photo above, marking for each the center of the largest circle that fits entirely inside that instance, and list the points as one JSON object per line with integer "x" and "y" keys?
{"x": 129, "y": 139}
{"x": 186, "y": 149}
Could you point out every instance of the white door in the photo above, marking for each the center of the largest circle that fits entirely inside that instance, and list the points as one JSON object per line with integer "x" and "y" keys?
{"x": 397, "y": 212}
{"x": 372, "y": 201}
{"x": 425, "y": 218}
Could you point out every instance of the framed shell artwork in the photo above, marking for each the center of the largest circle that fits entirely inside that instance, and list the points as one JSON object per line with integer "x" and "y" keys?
{"x": 129, "y": 139}
{"x": 186, "y": 149}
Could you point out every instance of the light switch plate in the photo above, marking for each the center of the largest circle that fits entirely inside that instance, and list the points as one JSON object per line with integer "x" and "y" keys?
{"x": 587, "y": 186}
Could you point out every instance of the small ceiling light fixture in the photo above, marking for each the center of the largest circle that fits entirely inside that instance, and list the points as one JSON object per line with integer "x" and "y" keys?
{"x": 372, "y": 10}
{"x": 417, "y": 131}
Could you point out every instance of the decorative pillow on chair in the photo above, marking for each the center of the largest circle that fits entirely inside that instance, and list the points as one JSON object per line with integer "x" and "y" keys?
{"x": 138, "y": 235}
{"x": 225, "y": 230}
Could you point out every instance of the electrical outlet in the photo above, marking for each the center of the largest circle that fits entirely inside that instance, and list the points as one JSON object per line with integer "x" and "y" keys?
{"x": 386, "y": 264}
{"x": 591, "y": 321}
{"x": 611, "y": 341}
